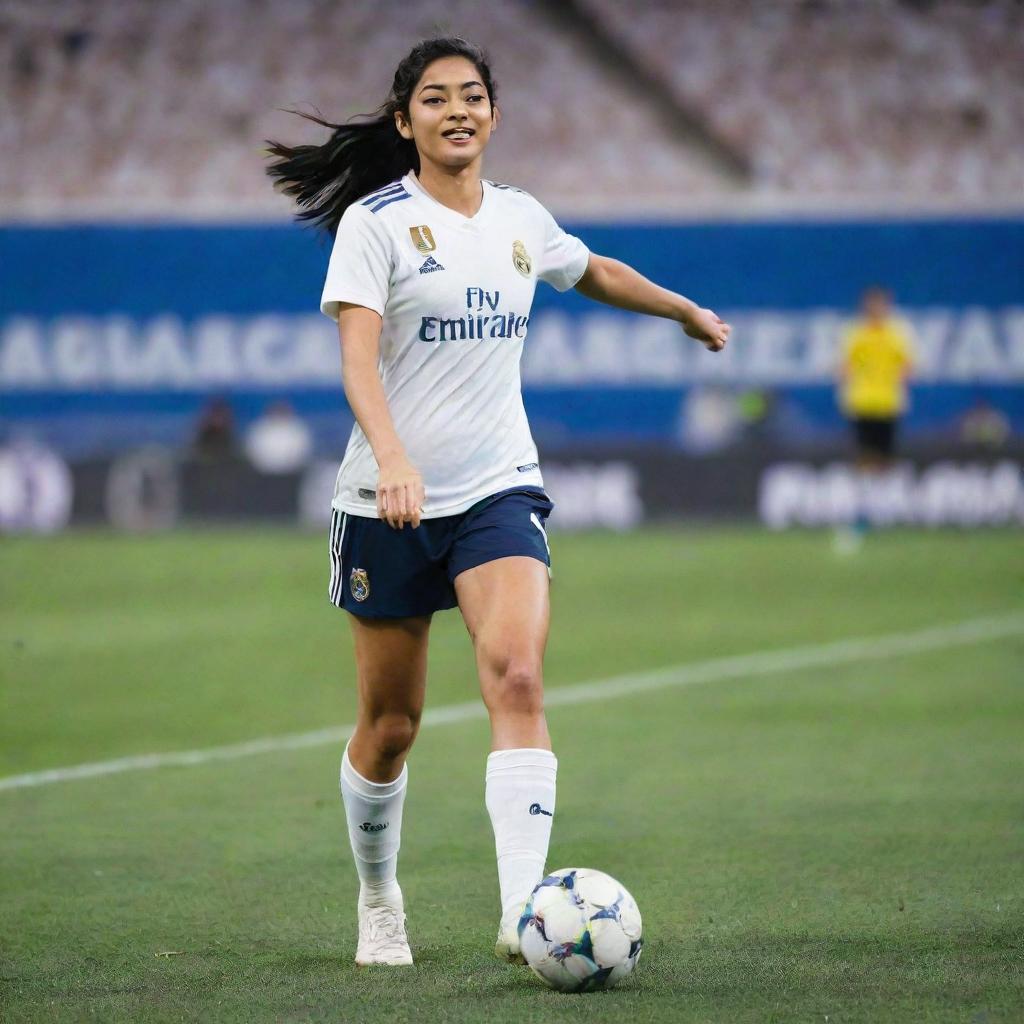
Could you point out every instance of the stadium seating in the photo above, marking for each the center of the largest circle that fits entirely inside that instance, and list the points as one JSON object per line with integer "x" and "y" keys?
{"x": 145, "y": 107}
{"x": 829, "y": 98}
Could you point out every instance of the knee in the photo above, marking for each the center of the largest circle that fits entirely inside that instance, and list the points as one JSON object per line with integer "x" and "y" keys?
{"x": 514, "y": 684}
{"x": 393, "y": 733}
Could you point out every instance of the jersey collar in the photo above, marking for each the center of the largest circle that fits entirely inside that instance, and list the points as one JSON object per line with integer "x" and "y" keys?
{"x": 446, "y": 212}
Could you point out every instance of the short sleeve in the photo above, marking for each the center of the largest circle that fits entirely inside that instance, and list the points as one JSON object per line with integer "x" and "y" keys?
{"x": 360, "y": 268}
{"x": 565, "y": 258}
{"x": 847, "y": 341}
{"x": 905, "y": 340}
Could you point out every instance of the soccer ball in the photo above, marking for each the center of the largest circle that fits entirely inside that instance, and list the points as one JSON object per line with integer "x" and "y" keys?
{"x": 580, "y": 930}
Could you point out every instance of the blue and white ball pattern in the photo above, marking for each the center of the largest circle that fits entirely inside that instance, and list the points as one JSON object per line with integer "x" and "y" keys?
{"x": 580, "y": 931}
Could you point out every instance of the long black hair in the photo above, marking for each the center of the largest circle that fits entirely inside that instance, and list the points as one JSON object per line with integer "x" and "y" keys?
{"x": 361, "y": 156}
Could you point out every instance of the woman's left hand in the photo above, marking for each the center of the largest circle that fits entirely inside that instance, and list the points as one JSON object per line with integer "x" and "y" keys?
{"x": 707, "y": 328}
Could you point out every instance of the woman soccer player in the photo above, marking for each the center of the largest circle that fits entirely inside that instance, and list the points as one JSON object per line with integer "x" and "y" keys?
{"x": 439, "y": 500}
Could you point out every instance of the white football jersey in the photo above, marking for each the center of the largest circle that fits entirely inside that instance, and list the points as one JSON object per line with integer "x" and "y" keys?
{"x": 455, "y": 294}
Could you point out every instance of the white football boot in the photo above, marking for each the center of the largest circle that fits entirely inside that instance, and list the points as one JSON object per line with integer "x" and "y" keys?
{"x": 507, "y": 945}
{"x": 382, "y": 938}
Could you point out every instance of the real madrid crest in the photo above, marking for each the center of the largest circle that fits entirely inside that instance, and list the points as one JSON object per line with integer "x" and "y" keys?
{"x": 422, "y": 239}
{"x": 359, "y": 584}
{"x": 521, "y": 258}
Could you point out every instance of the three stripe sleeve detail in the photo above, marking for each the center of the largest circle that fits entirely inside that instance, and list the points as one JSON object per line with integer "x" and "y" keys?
{"x": 394, "y": 193}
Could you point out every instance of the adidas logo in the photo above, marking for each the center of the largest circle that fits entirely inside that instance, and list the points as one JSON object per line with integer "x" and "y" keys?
{"x": 537, "y": 809}
{"x": 430, "y": 265}
{"x": 368, "y": 826}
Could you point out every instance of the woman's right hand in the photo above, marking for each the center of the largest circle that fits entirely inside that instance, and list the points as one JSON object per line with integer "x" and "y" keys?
{"x": 399, "y": 493}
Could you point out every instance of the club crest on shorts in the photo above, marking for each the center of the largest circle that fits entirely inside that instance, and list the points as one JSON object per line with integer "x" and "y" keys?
{"x": 422, "y": 239}
{"x": 359, "y": 584}
{"x": 521, "y": 258}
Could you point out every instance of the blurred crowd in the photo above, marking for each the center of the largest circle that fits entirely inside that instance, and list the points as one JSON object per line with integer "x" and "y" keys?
{"x": 847, "y": 97}
{"x": 134, "y": 105}
{"x": 144, "y": 105}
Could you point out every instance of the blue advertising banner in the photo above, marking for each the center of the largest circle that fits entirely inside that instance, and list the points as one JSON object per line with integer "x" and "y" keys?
{"x": 112, "y": 336}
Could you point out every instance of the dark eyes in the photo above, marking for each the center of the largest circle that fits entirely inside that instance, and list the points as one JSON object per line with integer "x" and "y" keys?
{"x": 469, "y": 99}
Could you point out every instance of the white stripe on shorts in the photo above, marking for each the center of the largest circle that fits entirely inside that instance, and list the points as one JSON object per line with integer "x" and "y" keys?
{"x": 535, "y": 519}
{"x": 334, "y": 558}
{"x": 337, "y": 537}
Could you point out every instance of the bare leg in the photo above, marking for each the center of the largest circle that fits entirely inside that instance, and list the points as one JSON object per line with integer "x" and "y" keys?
{"x": 391, "y": 672}
{"x": 505, "y": 606}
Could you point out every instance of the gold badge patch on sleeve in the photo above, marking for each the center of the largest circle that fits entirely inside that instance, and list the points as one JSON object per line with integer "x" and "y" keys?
{"x": 521, "y": 258}
{"x": 422, "y": 239}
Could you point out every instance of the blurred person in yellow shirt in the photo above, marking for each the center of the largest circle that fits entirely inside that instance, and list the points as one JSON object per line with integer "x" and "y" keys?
{"x": 877, "y": 358}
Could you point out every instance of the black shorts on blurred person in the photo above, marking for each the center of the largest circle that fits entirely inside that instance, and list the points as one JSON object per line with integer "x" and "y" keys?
{"x": 875, "y": 436}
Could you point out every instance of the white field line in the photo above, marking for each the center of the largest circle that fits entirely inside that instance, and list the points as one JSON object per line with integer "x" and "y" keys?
{"x": 743, "y": 666}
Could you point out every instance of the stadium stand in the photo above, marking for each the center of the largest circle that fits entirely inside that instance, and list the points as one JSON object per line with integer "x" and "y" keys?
{"x": 150, "y": 105}
{"x": 132, "y": 108}
{"x": 833, "y": 97}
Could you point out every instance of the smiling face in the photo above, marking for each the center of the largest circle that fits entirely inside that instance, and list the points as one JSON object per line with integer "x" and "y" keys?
{"x": 450, "y": 114}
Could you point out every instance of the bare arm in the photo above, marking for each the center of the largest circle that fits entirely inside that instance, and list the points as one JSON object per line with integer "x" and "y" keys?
{"x": 400, "y": 486}
{"x": 618, "y": 284}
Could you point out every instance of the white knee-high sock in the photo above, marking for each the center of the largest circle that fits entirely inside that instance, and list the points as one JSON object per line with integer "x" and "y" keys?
{"x": 374, "y": 814}
{"x": 520, "y": 796}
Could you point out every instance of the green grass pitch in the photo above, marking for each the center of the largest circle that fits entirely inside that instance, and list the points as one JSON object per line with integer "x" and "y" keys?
{"x": 834, "y": 844}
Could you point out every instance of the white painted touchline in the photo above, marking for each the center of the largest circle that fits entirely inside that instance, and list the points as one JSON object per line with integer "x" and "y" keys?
{"x": 757, "y": 663}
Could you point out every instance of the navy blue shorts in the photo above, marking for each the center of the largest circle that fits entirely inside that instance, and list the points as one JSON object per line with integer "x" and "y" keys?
{"x": 381, "y": 573}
